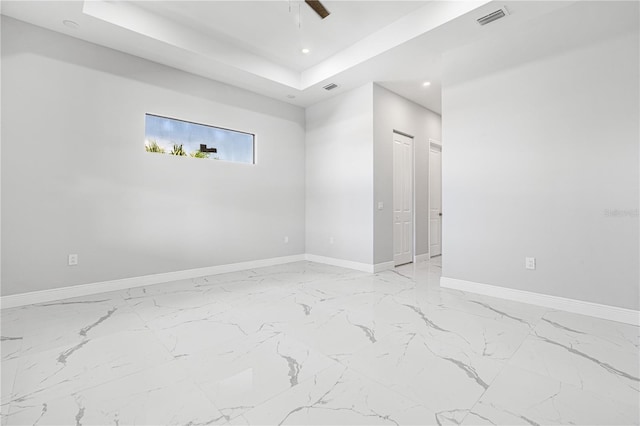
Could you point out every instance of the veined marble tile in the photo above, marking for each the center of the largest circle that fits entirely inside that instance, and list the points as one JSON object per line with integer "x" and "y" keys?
{"x": 524, "y": 398}
{"x": 239, "y": 421}
{"x": 475, "y": 304}
{"x": 195, "y": 333}
{"x": 338, "y": 396}
{"x": 223, "y": 278}
{"x": 263, "y": 280}
{"x": 278, "y": 314}
{"x": 337, "y": 284}
{"x": 47, "y": 327}
{"x": 8, "y": 371}
{"x": 91, "y": 362}
{"x": 592, "y": 354}
{"x": 192, "y": 331}
{"x": 238, "y": 291}
{"x": 625, "y": 336}
{"x": 305, "y": 299}
{"x": 241, "y": 375}
{"x": 271, "y": 284}
{"x": 487, "y": 337}
{"x": 11, "y": 345}
{"x": 493, "y": 308}
{"x": 379, "y": 311}
{"x": 159, "y": 395}
{"x": 10, "y": 323}
{"x": 304, "y": 272}
{"x": 157, "y": 289}
{"x": 339, "y": 331}
{"x": 439, "y": 376}
{"x": 166, "y": 307}
{"x": 61, "y": 310}
{"x": 384, "y": 283}
{"x": 271, "y": 345}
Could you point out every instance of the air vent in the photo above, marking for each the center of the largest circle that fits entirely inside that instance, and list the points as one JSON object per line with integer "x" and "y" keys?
{"x": 330, "y": 86}
{"x": 493, "y": 16}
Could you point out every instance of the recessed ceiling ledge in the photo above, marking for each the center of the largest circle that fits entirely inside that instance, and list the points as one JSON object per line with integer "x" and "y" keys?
{"x": 393, "y": 35}
{"x": 162, "y": 30}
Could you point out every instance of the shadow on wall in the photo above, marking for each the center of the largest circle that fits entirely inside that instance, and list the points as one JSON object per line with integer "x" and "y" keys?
{"x": 56, "y": 46}
{"x": 569, "y": 30}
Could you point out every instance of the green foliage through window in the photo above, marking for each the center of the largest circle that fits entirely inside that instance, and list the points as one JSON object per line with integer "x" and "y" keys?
{"x": 200, "y": 154}
{"x": 177, "y": 150}
{"x": 182, "y": 138}
{"x": 152, "y": 146}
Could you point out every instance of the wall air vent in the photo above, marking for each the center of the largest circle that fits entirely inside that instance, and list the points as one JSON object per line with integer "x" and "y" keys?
{"x": 330, "y": 86}
{"x": 493, "y": 16}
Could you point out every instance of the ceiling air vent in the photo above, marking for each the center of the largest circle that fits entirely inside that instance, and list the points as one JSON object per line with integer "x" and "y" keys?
{"x": 493, "y": 16}
{"x": 330, "y": 86}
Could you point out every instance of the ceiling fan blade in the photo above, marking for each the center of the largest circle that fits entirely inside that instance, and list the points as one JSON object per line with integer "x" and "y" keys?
{"x": 318, "y": 8}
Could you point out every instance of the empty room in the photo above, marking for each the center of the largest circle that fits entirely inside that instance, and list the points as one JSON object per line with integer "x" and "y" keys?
{"x": 335, "y": 212}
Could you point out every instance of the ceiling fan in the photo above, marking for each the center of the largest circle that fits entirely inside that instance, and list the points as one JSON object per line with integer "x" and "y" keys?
{"x": 318, "y": 8}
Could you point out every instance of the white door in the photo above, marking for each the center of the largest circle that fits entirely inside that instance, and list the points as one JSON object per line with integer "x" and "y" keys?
{"x": 435, "y": 200}
{"x": 402, "y": 199}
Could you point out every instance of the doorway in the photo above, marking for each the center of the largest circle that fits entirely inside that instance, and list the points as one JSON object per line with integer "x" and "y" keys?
{"x": 435, "y": 198}
{"x": 402, "y": 199}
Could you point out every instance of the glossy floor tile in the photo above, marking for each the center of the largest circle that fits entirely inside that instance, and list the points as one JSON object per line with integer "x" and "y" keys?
{"x": 306, "y": 343}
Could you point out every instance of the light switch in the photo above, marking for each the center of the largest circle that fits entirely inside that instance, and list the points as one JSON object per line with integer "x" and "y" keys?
{"x": 380, "y": 205}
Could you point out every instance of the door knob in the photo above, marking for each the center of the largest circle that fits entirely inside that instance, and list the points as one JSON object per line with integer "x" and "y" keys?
{"x": 439, "y": 214}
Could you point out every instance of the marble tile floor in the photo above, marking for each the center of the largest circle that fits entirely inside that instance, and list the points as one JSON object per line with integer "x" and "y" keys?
{"x": 306, "y": 343}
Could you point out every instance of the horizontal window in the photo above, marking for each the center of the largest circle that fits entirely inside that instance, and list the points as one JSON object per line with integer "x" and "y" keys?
{"x": 183, "y": 138}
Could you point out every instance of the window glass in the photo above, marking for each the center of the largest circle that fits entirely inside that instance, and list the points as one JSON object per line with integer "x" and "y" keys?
{"x": 183, "y": 138}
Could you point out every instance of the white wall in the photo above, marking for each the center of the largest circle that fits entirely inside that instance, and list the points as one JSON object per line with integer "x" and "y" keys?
{"x": 76, "y": 177}
{"x": 542, "y": 136}
{"x": 395, "y": 113}
{"x": 339, "y": 176}
{"x": 349, "y": 169}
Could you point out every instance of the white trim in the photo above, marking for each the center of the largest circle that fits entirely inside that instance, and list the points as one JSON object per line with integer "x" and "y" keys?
{"x": 44, "y": 296}
{"x": 414, "y": 216}
{"x": 384, "y": 266}
{"x": 421, "y": 257}
{"x": 613, "y": 313}
{"x": 365, "y": 267}
{"x": 437, "y": 144}
{"x": 414, "y": 227}
{"x": 51, "y": 295}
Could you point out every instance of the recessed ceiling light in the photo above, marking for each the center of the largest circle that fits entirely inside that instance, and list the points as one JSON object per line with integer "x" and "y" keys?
{"x": 305, "y": 51}
{"x": 71, "y": 24}
{"x": 426, "y": 84}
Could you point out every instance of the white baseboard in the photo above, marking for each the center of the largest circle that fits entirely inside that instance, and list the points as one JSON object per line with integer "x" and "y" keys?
{"x": 44, "y": 296}
{"x": 421, "y": 257}
{"x": 613, "y": 313}
{"x": 364, "y": 267}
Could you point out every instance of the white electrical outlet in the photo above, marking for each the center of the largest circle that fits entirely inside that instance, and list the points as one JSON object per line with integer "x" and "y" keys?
{"x": 530, "y": 262}
{"x": 286, "y": 240}
{"x": 73, "y": 259}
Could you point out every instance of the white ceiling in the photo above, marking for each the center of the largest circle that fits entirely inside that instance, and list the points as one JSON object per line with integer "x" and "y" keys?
{"x": 257, "y": 45}
{"x": 278, "y": 30}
